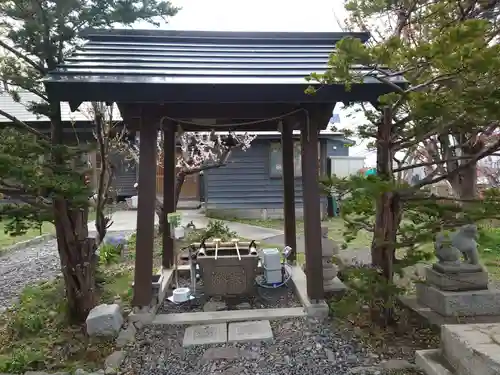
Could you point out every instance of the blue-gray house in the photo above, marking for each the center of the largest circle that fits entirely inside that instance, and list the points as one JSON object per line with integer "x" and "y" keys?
{"x": 250, "y": 185}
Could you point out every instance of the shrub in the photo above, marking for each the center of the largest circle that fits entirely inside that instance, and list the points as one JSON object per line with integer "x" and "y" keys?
{"x": 214, "y": 229}
{"x": 109, "y": 253}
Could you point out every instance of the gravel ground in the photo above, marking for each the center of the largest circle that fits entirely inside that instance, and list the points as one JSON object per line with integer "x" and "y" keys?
{"x": 263, "y": 299}
{"x": 300, "y": 346}
{"x": 28, "y": 266}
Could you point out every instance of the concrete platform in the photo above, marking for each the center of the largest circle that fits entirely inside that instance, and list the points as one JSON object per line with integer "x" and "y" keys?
{"x": 468, "y": 303}
{"x": 229, "y": 316}
{"x": 205, "y": 334}
{"x": 472, "y": 348}
{"x": 436, "y": 319}
{"x": 250, "y": 331}
{"x": 318, "y": 310}
{"x": 432, "y": 363}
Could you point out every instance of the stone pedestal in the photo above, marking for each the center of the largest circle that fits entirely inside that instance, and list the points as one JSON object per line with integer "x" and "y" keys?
{"x": 458, "y": 293}
{"x": 468, "y": 303}
{"x": 457, "y": 282}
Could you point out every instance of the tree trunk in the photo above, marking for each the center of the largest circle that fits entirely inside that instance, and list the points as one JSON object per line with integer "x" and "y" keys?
{"x": 383, "y": 249}
{"x": 179, "y": 181}
{"x": 388, "y": 216}
{"x": 77, "y": 252}
{"x": 161, "y": 215}
{"x": 78, "y": 258}
{"x": 468, "y": 182}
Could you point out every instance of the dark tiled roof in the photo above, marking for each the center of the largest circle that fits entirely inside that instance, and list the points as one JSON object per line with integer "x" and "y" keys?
{"x": 201, "y": 57}
{"x": 173, "y": 58}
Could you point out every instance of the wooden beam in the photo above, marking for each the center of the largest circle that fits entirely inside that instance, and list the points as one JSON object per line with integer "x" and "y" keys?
{"x": 208, "y": 111}
{"x": 219, "y": 125}
{"x": 168, "y": 192}
{"x": 145, "y": 217}
{"x": 287, "y": 165}
{"x": 312, "y": 210}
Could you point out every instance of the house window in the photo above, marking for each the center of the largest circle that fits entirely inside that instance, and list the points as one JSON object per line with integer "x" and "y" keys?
{"x": 98, "y": 160}
{"x": 275, "y": 160}
{"x": 276, "y": 165}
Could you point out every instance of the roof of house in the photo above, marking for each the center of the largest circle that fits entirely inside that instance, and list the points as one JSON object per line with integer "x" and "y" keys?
{"x": 21, "y": 112}
{"x": 324, "y": 134}
{"x": 131, "y": 65}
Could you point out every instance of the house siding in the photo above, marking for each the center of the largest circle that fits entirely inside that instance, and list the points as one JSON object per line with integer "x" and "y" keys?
{"x": 125, "y": 176}
{"x": 335, "y": 148}
{"x": 244, "y": 188}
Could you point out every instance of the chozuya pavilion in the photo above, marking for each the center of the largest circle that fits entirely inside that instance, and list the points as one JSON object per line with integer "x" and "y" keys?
{"x": 251, "y": 81}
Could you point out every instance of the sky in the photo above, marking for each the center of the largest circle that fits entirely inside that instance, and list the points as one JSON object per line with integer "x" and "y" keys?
{"x": 265, "y": 15}
{"x": 258, "y": 15}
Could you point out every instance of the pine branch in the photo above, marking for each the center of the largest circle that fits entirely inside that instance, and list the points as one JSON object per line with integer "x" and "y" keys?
{"x": 23, "y": 57}
{"x": 23, "y": 125}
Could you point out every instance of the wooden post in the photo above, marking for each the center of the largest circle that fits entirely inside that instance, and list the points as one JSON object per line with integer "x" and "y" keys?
{"x": 312, "y": 211}
{"x": 145, "y": 216}
{"x": 168, "y": 191}
{"x": 288, "y": 188}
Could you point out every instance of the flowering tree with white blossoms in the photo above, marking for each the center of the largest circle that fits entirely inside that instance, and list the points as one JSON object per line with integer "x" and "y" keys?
{"x": 200, "y": 151}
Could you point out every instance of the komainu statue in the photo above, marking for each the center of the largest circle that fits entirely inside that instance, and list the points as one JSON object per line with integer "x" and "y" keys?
{"x": 460, "y": 244}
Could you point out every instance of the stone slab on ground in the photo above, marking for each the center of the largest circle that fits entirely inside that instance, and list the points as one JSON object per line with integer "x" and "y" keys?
{"x": 431, "y": 362}
{"x": 228, "y": 353}
{"x": 457, "y": 281}
{"x": 472, "y": 348}
{"x": 250, "y": 331}
{"x": 104, "y": 320}
{"x": 205, "y": 334}
{"x": 468, "y": 303}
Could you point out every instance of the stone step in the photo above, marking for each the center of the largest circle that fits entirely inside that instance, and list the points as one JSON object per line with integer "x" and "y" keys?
{"x": 431, "y": 362}
{"x": 233, "y": 332}
{"x": 472, "y": 348}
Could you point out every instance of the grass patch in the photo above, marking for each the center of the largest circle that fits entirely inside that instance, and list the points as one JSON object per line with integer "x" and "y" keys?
{"x": 6, "y": 240}
{"x": 489, "y": 249}
{"x": 36, "y": 336}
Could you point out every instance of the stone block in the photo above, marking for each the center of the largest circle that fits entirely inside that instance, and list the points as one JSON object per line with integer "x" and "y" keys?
{"x": 461, "y": 281}
{"x": 471, "y": 348}
{"x": 250, "y": 331}
{"x": 467, "y": 303}
{"x": 457, "y": 267}
{"x": 126, "y": 336}
{"x": 334, "y": 286}
{"x": 104, "y": 320}
{"x": 318, "y": 310}
{"x": 114, "y": 361}
{"x": 431, "y": 362}
{"x": 205, "y": 334}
